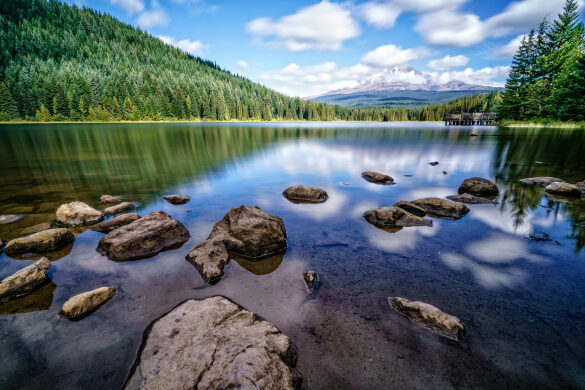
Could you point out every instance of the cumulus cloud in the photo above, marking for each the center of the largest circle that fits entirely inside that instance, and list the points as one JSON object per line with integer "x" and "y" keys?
{"x": 242, "y": 63}
{"x": 188, "y": 46}
{"x": 448, "y": 62}
{"x": 509, "y": 49}
{"x": 390, "y": 55}
{"x": 380, "y": 15}
{"x": 130, "y": 6}
{"x": 323, "y": 26}
{"x": 152, "y": 18}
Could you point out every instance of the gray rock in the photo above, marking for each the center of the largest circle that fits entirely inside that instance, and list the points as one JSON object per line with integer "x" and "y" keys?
{"x": 119, "y": 208}
{"x": 4, "y": 219}
{"x": 478, "y": 187}
{"x": 311, "y": 278}
{"x": 377, "y": 177}
{"x": 541, "y": 181}
{"x": 581, "y": 185}
{"x": 430, "y": 317}
{"x": 305, "y": 194}
{"x": 78, "y": 214}
{"x": 109, "y": 199}
{"x": 82, "y": 305}
{"x": 144, "y": 237}
{"x": 411, "y": 208}
{"x": 434, "y": 163}
{"x": 470, "y": 199}
{"x": 210, "y": 258}
{"x": 115, "y": 223}
{"x": 176, "y": 199}
{"x": 561, "y": 188}
{"x": 214, "y": 344}
{"x": 442, "y": 208}
{"x": 45, "y": 241}
{"x": 25, "y": 281}
{"x": 394, "y": 217}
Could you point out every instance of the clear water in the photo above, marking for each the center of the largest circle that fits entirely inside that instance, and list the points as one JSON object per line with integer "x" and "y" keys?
{"x": 523, "y": 302}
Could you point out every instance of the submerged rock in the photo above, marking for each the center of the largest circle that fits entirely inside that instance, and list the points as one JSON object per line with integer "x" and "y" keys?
{"x": 434, "y": 163}
{"x": 561, "y": 188}
{"x": 410, "y": 207}
{"x": 4, "y": 219}
{"x": 478, "y": 187}
{"x": 305, "y": 194}
{"x": 470, "y": 199}
{"x": 430, "y": 317}
{"x": 114, "y": 223}
{"x": 109, "y": 199}
{"x": 39, "y": 227}
{"x": 541, "y": 181}
{"x": 144, "y": 237}
{"x": 377, "y": 177}
{"x": 45, "y": 241}
{"x": 210, "y": 258}
{"x": 311, "y": 278}
{"x": 119, "y": 208}
{"x": 24, "y": 281}
{"x": 78, "y": 214}
{"x": 39, "y": 299}
{"x": 82, "y": 305}
{"x": 229, "y": 348}
{"x": 442, "y": 208}
{"x": 176, "y": 199}
{"x": 394, "y": 216}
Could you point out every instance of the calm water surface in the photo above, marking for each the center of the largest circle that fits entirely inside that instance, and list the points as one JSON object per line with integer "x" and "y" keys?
{"x": 523, "y": 302}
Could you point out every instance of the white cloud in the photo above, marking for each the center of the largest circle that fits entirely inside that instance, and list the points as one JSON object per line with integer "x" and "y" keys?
{"x": 380, "y": 15}
{"x": 510, "y": 49}
{"x": 242, "y": 63}
{"x": 448, "y": 62}
{"x": 152, "y": 18}
{"x": 323, "y": 26}
{"x": 391, "y": 55}
{"x": 192, "y": 47}
{"x": 484, "y": 76}
{"x": 130, "y": 6}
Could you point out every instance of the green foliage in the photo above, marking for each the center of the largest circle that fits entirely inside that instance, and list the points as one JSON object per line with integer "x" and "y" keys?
{"x": 484, "y": 102}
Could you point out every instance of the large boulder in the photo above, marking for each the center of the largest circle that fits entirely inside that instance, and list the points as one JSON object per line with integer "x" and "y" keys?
{"x": 82, "y": 305}
{"x": 114, "y": 223}
{"x": 541, "y": 181}
{"x": 246, "y": 231}
{"x": 78, "y": 214}
{"x": 394, "y": 217}
{"x": 4, "y": 219}
{"x": 411, "y": 208}
{"x": 176, "y": 199}
{"x": 119, "y": 208}
{"x": 430, "y": 317}
{"x": 305, "y": 194}
{"x": 25, "y": 281}
{"x": 442, "y": 208}
{"x": 144, "y": 237}
{"x": 109, "y": 199}
{"x": 562, "y": 188}
{"x": 214, "y": 344}
{"x": 377, "y": 177}
{"x": 470, "y": 199}
{"x": 479, "y": 187}
{"x": 45, "y": 241}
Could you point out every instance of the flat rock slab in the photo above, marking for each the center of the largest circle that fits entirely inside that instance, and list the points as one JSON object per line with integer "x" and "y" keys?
{"x": 470, "y": 199}
{"x": 25, "y": 281}
{"x": 562, "y": 188}
{"x": 4, "y": 219}
{"x": 377, "y": 177}
{"x": 394, "y": 217}
{"x": 45, "y": 241}
{"x": 119, "y": 208}
{"x": 305, "y": 194}
{"x": 410, "y": 207}
{"x": 78, "y": 214}
{"x": 82, "y": 305}
{"x": 442, "y": 208}
{"x": 214, "y": 344}
{"x": 176, "y": 199}
{"x": 115, "y": 223}
{"x": 541, "y": 181}
{"x": 479, "y": 187}
{"x": 144, "y": 237}
{"x": 430, "y": 317}
{"x": 109, "y": 199}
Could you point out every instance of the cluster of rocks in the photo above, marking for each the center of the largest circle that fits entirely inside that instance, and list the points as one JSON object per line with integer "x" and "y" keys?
{"x": 555, "y": 186}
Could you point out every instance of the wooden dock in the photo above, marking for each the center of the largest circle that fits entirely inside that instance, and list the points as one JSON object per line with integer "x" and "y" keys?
{"x": 470, "y": 119}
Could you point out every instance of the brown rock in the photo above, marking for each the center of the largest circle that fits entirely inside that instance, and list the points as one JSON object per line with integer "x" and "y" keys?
{"x": 176, "y": 199}
{"x": 434, "y": 163}
{"x": 229, "y": 348}
{"x": 311, "y": 278}
{"x": 78, "y": 214}
{"x": 411, "y": 208}
{"x": 36, "y": 228}
{"x": 377, "y": 177}
{"x": 581, "y": 185}
{"x": 210, "y": 258}
{"x": 478, "y": 187}
{"x": 394, "y": 217}
{"x": 45, "y": 241}
{"x": 25, "y": 281}
{"x": 470, "y": 199}
{"x": 119, "y": 208}
{"x": 442, "y": 208}
{"x": 541, "y": 181}
{"x": 561, "y": 188}
{"x": 305, "y": 194}
{"x": 429, "y": 317}
{"x": 144, "y": 237}
{"x": 114, "y": 223}
{"x": 82, "y": 305}
{"x": 5, "y": 219}
{"x": 109, "y": 199}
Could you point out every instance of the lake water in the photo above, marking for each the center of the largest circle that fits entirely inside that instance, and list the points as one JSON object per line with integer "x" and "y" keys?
{"x": 523, "y": 302}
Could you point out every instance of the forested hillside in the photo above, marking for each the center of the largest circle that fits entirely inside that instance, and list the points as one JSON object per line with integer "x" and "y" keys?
{"x": 60, "y": 62}
{"x": 484, "y": 102}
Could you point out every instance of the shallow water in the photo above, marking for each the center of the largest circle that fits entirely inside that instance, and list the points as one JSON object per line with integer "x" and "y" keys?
{"x": 523, "y": 302}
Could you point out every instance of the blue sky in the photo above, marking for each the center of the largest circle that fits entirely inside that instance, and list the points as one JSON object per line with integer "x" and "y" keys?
{"x": 305, "y": 48}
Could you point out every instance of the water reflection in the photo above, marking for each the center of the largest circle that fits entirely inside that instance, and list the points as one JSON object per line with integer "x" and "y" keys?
{"x": 41, "y": 299}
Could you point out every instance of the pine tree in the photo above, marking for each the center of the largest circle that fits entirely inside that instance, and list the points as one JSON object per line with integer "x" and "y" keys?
{"x": 570, "y": 94}
{"x": 8, "y": 108}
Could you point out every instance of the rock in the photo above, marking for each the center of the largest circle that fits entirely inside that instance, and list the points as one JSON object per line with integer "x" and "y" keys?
{"x": 394, "y": 216}
{"x": 411, "y": 208}
{"x": 311, "y": 278}
{"x": 442, "y": 208}
{"x": 305, "y": 194}
{"x": 119, "y": 208}
{"x": 114, "y": 223}
{"x": 246, "y": 231}
{"x": 4, "y": 219}
{"x": 377, "y": 177}
{"x": 429, "y": 317}
{"x": 82, "y": 305}
{"x": 562, "y": 188}
{"x": 144, "y": 237}
{"x": 39, "y": 299}
{"x": 434, "y": 163}
{"x": 470, "y": 199}
{"x": 214, "y": 344}
{"x": 36, "y": 228}
{"x": 581, "y": 185}
{"x": 541, "y": 181}
{"x": 478, "y": 187}
{"x": 444, "y": 172}
{"x": 109, "y": 199}
{"x": 176, "y": 199}
{"x": 45, "y": 241}
{"x": 78, "y": 214}
{"x": 24, "y": 281}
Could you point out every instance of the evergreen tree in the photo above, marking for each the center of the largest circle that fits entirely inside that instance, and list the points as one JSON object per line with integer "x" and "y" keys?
{"x": 8, "y": 108}
{"x": 570, "y": 94}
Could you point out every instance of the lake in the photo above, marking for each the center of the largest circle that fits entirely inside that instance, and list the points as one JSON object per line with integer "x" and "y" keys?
{"x": 522, "y": 301}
